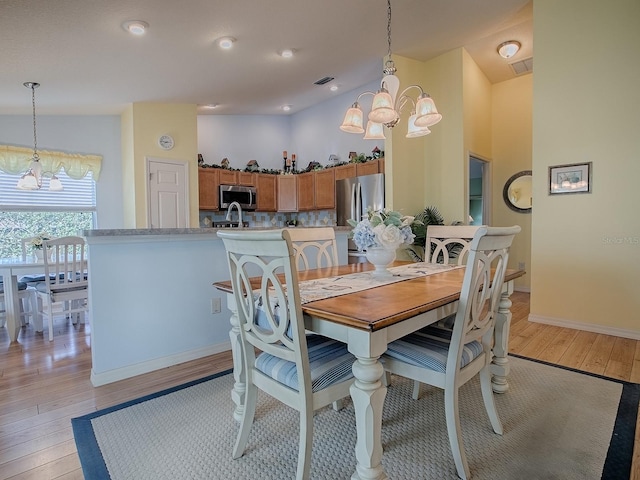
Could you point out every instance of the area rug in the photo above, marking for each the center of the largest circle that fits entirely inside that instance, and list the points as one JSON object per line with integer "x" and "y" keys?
{"x": 558, "y": 424}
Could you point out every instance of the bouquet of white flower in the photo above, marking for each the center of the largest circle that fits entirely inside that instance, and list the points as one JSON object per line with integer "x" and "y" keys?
{"x": 36, "y": 242}
{"x": 382, "y": 228}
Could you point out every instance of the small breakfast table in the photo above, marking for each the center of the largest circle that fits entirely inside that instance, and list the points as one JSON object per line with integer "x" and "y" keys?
{"x": 367, "y": 321}
{"x": 10, "y": 269}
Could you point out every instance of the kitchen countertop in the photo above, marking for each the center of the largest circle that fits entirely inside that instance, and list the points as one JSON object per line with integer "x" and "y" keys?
{"x": 181, "y": 231}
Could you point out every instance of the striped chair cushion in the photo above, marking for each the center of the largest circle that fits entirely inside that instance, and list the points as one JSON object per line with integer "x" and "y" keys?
{"x": 21, "y": 286}
{"x": 429, "y": 348}
{"x": 329, "y": 360}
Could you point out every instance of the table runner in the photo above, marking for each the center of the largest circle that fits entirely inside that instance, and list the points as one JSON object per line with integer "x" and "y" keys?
{"x": 322, "y": 288}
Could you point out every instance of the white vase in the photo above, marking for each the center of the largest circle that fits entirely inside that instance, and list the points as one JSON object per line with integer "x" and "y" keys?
{"x": 37, "y": 252}
{"x": 381, "y": 257}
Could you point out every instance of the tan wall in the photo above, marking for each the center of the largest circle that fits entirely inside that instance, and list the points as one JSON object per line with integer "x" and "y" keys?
{"x": 586, "y": 108}
{"x": 511, "y": 141}
{"x": 143, "y": 124}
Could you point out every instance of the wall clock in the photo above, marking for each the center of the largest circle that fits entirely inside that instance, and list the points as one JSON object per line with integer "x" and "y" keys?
{"x": 166, "y": 142}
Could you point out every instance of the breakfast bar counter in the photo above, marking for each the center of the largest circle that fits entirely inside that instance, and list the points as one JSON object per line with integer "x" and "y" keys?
{"x": 152, "y": 301}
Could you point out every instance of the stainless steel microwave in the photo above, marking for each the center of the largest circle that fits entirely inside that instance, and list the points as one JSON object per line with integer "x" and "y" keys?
{"x": 245, "y": 196}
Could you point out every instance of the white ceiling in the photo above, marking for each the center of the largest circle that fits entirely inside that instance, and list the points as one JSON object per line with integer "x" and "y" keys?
{"x": 87, "y": 64}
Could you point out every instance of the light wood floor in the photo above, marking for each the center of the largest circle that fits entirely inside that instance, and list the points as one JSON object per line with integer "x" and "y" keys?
{"x": 43, "y": 385}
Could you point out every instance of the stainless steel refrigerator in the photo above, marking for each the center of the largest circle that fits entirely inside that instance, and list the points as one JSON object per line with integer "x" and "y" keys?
{"x": 353, "y": 197}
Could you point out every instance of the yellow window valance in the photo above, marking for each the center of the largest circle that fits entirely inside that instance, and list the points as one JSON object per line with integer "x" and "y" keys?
{"x": 16, "y": 160}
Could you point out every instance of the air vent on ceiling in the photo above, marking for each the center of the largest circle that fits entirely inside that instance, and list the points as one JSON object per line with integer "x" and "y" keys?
{"x": 322, "y": 81}
{"x": 522, "y": 66}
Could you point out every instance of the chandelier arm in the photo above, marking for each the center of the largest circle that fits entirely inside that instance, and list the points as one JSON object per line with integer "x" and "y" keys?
{"x": 403, "y": 94}
{"x": 365, "y": 93}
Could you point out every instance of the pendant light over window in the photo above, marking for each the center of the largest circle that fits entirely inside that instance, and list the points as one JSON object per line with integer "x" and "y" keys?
{"x": 387, "y": 104}
{"x": 32, "y": 180}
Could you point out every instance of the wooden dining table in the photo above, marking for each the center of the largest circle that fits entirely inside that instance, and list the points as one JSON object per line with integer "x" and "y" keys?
{"x": 367, "y": 321}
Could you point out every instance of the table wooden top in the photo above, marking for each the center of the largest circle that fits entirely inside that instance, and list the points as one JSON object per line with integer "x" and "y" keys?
{"x": 379, "y": 307}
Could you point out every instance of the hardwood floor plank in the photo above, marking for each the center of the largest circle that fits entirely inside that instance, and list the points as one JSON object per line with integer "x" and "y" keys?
{"x": 621, "y": 361}
{"x": 576, "y": 353}
{"x": 599, "y": 355}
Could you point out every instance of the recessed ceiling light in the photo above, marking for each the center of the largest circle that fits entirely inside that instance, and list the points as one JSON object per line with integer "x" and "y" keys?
{"x": 508, "y": 49}
{"x": 135, "y": 27}
{"x": 333, "y": 88}
{"x": 226, "y": 42}
{"x": 211, "y": 106}
{"x": 286, "y": 108}
{"x": 287, "y": 53}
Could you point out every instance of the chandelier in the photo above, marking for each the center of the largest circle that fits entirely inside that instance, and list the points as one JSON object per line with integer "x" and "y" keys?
{"x": 387, "y": 104}
{"x": 32, "y": 180}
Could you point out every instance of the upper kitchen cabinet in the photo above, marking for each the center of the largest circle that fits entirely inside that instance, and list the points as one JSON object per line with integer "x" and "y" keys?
{"x": 368, "y": 168}
{"x": 266, "y": 192}
{"x": 208, "y": 183}
{"x": 228, "y": 177}
{"x": 247, "y": 178}
{"x": 325, "y": 189}
{"x": 345, "y": 171}
{"x": 287, "y": 193}
{"x": 305, "y": 186}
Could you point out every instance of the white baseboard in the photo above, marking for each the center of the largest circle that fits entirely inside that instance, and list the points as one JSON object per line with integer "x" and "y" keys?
{"x": 522, "y": 289}
{"x": 98, "y": 379}
{"x": 588, "y": 327}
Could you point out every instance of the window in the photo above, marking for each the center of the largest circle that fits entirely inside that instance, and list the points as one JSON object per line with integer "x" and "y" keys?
{"x": 25, "y": 213}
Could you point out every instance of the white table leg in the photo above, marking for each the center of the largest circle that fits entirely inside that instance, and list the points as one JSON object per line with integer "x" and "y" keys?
{"x": 12, "y": 306}
{"x": 500, "y": 363}
{"x": 239, "y": 386}
{"x": 368, "y": 395}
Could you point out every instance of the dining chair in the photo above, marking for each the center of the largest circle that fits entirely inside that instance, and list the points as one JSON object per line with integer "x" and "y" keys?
{"x": 28, "y": 304}
{"x": 319, "y": 244}
{"x": 65, "y": 280}
{"x": 449, "y": 244}
{"x": 448, "y": 359}
{"x": 314, "y": 247}
{"x": 305, "y": 372}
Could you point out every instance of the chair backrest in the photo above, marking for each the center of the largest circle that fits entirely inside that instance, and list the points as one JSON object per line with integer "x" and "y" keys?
{"x": 481, "y": 290}
{"x": 314, "y": 242}
{"x": 269, "y": 314}
{"x": 66, "y": 267}
{"x": 449, "y": 243}
{"x": 25, "y": 243}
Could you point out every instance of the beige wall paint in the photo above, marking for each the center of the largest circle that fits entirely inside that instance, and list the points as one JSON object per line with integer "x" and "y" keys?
{"x": 128, "y": 168}
{"x": 511, "y": 144}
{"x": 586, "y": 108}
{"x": 143, "y": 124}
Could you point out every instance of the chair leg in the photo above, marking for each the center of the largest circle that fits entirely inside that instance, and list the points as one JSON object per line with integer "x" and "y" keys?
{"x": 306, "y": 442}
{"x": 455, "y": 432}
{"x": 416, "y": 390}
{"x": 489, "y": 399}
{"x": 50, "y": 319}
{"x": 337, "y": 405}
{"x": 251, "y": 398}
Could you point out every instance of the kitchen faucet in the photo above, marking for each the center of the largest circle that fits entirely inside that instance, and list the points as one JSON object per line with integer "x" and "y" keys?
{"x": 237, "y": 205}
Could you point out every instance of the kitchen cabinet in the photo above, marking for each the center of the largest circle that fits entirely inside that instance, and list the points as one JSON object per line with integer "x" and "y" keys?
{"x": 208, "y": 182}
{"x": 266, "y": 192}
{"x": 325, "y": 189}
{"x": 368, "y": 168}
{"x": 345, "y": 171}
{"x": 247, "y": 179}
{"x": 228, "y": 177}
{"x": 305, "y": 190}
{"x": 287, "y": 193}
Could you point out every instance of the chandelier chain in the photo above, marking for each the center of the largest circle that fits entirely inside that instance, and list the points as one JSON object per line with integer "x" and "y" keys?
{"x": 389, "y": 28}
{"x": 33, "y": 104}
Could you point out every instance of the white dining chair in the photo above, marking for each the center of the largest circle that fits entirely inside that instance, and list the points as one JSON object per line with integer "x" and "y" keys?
{"x": 28, "y": 304}
{"x": 65, "y": 280}
{"x": 314, "y": 247}
{"x": 304, "y": 372}
{"x": 449, "y": 244}
{"x": 448, "y": 359}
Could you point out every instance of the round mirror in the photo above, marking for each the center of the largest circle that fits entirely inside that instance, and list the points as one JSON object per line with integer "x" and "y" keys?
{"x": 517, "y": 192}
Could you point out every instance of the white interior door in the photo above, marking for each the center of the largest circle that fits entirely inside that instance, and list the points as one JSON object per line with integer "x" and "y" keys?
{"x": 168, "y": 193}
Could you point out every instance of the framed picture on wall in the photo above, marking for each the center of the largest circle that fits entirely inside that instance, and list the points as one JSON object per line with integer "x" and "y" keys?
{"x": 574, "y": 178}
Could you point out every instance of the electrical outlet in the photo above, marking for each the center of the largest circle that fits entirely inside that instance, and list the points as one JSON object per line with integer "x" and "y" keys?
{"x": 521, "y": 266}
{"x": 216, "y": 306}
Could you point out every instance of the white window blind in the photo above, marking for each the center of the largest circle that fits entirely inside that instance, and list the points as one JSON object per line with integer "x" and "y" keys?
{"x": 77, "y": 196}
